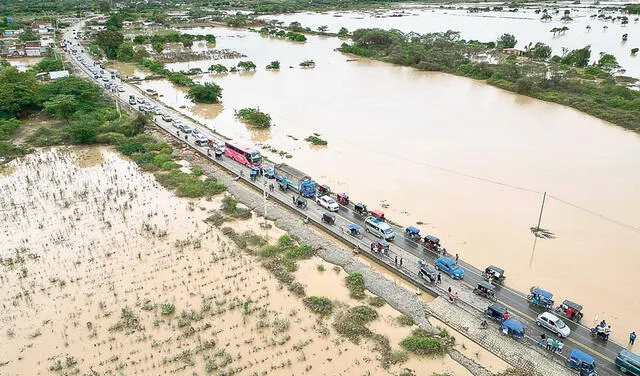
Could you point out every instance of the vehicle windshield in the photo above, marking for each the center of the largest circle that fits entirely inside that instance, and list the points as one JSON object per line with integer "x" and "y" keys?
{"x": 256, "y": 157}
{"x": 388, "y": 230}
{"x": 560, "y": 324}
{"x": 330, "y": 201}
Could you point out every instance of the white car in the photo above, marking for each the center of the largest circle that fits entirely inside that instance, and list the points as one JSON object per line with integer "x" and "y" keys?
{"x": 167, "y": 118}
{"x": 328, "y": 203}
{"x": 553, "y": 323}
{"x": 120, "y": 88}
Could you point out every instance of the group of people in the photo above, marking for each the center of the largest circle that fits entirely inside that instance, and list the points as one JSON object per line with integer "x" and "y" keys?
{"x": 453, "y": 296}
{"x": 602, "y": 330}
{"x": 551, "y": 344}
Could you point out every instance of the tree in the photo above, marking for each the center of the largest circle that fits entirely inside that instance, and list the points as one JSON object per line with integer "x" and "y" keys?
{"x": 634, "y": 51}
{"x": 158, "y": 47}
{"x": 104, "y": 6}
{"x": 207, "y": 93}
{"x": 61, "y": 106}
{"x": 28, "y": 35}
{"x": 247, "y": 65}
{"x": 608, "y": 63}
{"x": 578, "y": 58}
{"x": 125, "y": 52}
{"x": 343, "y": 31}
{"x": 238, "y": 20}
{"x": 275, "y": 65}
{"x": 218, "y": 69}
{"x": 84, "y": 132}
{"x": 295, "y": 26}
{"x": 17, "y": 91}
{"x": 85, "y": 93}
{"x": 109, "y": 40}
{"x": 546, "y": 17}
{"x": 541, "y": 51}
{"x": 323, "y": 29}
{"x": 137, "y": 125}
{"x": 507, "y": 41}
{"x": 48, "y": 64}
{"x": 308, "y": 64}
{"x": 115, "y": 22}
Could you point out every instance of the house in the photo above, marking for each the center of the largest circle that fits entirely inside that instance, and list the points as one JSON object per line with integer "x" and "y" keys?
{"x": 42, "y": 25}
{"x": 514, "y": 51}
{"x": 8, "y": 33}
{"x": 34, "y": 48}
{"x": 51, "y": 76}
{"x": 97, "y": 27}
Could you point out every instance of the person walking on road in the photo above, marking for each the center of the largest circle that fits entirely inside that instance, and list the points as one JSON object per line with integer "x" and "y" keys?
{"x": 549, "y": 343}
{"x": 396, "y": 260}
{"x": 560, "y": 346}
{"x": 555, "y": 346}
{"x": 632, "y": 338}
{"x": 439, "y": 280}
{"x": 456, "y": 258}
{"x": 401, "y": 262}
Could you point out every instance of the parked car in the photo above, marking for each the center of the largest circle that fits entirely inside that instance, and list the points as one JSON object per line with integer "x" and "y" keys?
{"x": 450, "y": 267}
{"x": 142, "y": 108}
{"x": 553, "y": 323}
{"x": 328, "y": 203}
{"x": 167, "y": 118}
{"x": 428, "y": 273}
{"x": 628, "y": 362}
{"x": 140, "y": 100}
{"x": 185, "y": 128}
{"x": 177, "y": 123}
{"x": 120, "y": 88}
{"x": 132, "y": 100}
{"x": 195, "y": 131}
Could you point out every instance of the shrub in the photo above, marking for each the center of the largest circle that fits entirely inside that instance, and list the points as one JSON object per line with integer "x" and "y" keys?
{"x": 422, "y": 345}
{"x": 319, "y": 305}
{"x": 275, "y": 65}
{"x": 8, "y": 127}
{"x": 9, "y": 151}
{"x": 254, "y": 117}
{"x": 376, "y": 301}
{"x": 355, "y": 284}
{"x": 315, "y": 140}
{"x": 46, "y": 137}
{"x": 84, "y": 132}
{"x": 131, "y": 146}
{"x": 167, "y": 308}
{"x": 351, "y": 324}
{"x": 207, "y": 93}
{"x": 405, "y": 320}
{"x": 187, "y": 185}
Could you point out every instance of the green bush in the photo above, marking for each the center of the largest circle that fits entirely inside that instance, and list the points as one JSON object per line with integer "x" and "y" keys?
{"x": 111, "y": 138}
{"x": 351, "y": 324}
{"x": 405, "y": 320}
{"x": 315, "y": 140}
{"x": 254, "y": 117}
{"x": 131, "y": 146}
{"x": 46, "y": 137}
{"x": 302, "y": 252}
{"x": 355, "y": 284}
{"x": 8, "y": 127}
{"x": 319, "y": 305}
{"x": 207, "y": 93}
{"x": 9, "y": 151}
{"x": 187, "y": 185}
{"x": 84, "y": 132}
{"x": 167, "y": 308}
{"x": 422, "y": 345}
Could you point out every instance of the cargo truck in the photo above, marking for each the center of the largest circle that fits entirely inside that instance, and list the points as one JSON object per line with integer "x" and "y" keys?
{"x": 295, "y": 179}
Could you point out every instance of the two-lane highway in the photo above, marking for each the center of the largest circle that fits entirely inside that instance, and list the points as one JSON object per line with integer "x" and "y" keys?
{"x": 604, "y": 352}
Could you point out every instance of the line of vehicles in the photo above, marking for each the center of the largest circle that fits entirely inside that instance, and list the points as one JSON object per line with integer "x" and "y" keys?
{"x": 289, "y": 178}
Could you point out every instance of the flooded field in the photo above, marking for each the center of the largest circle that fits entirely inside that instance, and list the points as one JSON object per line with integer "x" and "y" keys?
{"x": 603, "y": 35}
{"x": 24, "y": 63}
{"x": 106, "y": 272}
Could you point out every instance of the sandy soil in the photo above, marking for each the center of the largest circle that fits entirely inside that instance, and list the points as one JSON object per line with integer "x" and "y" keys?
{"x": 105, "y": 272}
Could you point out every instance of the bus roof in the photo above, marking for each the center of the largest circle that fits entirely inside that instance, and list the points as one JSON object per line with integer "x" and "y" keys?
{"x": 242, "y": 145}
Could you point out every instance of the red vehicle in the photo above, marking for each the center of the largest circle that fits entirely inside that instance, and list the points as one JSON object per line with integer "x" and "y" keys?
{"x": 246, "y": 155}
{"x": 343, "y": 198}
{"x": 378, "y": 214}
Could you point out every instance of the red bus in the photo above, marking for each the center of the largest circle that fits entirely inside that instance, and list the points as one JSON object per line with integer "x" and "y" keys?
{"x": 246, "y": 155}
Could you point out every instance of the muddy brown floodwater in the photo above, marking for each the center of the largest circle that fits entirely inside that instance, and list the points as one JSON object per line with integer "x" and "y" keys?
{"x": 104, "y": 271}
{"x": 468, "y": 160}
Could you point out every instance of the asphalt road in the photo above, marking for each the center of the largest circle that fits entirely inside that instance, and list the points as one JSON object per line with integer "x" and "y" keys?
{"x": 604, "y": 352}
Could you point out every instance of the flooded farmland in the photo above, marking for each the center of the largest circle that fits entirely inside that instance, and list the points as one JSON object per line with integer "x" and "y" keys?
{"x": 106, "y": 272}
{"x": 468, "y": 161}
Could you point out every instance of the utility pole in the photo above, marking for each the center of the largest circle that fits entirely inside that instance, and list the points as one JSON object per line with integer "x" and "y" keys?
{"x": 544, "y": 197}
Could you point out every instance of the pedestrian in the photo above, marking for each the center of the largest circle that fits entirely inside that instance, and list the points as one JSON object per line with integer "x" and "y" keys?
{"x": 632, "y": 338}
{"x": 186, "y": 137}
{"x": 449, "y": 290}
{"x": 439, "y": 281}
{"x": 293, "y": 198}
{"x": 396, "y": 260}
{"x": 456, "y": 258}
{"x": 400, "y": 261}
{"x": 543, "y": 339}
{"x": 560, "y": 347}
{"x": 549, "y": 343}
{"x": 556, "y": 344}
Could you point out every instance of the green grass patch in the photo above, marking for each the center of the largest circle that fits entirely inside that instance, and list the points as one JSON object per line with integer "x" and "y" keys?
{"x": 187, "y": 185}
{"x": 405, "y": 320}
{"x": 46, "y": 137}
{"x": 10, "y": 151}
{"x": 319, "y": 305}
{"x": 376, "y": 301}
{"x": 315, "y": 140}
{"x": 254, "y": 117}
{"x": 230, "y": 208}
{"x": 355, "y": 284}
{"x": 351, "y": 323}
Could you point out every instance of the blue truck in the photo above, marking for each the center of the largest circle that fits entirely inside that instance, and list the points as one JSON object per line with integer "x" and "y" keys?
{"x": 295, "y": 179}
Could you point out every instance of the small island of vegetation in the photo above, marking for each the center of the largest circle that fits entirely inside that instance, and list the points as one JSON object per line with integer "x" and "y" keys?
{"x": 315, "y": 139}
{"x": 254, "y": 117}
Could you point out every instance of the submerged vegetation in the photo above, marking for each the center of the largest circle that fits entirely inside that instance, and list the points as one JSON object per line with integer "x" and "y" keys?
{"x": 254, "y": 117}
{"x": 567, "y": 80}
{"x": 315, "y": 139}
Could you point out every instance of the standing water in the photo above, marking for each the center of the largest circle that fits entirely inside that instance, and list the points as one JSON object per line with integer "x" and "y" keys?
{"x": 467, "y": 160}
